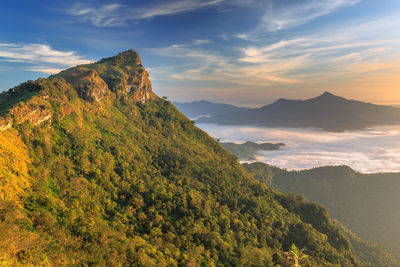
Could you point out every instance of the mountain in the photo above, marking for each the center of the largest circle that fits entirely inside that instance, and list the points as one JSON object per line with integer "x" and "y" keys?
{"x": 204, "y": 108}
{"x": 247, "y": 150}
{"x": 367, "y": 204}
{"x": 370, "y": 254}
{"x": 327, "y": 111}
{"x": 97, "y": 170}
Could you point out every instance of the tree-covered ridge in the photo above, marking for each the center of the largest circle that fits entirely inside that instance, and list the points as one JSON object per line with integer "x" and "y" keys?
{"x": 121, "y": 182}
{"x": 367, "y": 204}
{"x": 370, "y": 254}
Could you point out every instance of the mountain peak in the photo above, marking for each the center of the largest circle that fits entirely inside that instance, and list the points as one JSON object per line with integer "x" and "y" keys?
{"x": 327, "y": 94}
{"x": 282, "y": 100}
{"x": 127, "y": 57}
{"x": 123, "y": 74}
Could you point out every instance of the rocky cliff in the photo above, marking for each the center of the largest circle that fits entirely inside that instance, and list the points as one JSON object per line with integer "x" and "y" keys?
{"x": 122, "y": 74}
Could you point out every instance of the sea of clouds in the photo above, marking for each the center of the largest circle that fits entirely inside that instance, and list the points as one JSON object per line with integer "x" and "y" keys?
{"x": 368, "y": 151}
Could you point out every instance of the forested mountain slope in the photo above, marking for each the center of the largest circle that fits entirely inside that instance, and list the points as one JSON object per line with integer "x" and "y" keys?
{"x": 367, "y": 204}
{"x": 95, "y": 169}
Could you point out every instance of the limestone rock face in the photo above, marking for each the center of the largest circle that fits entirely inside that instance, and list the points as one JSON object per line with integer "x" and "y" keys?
{"x": 130, "y": 77}
{"x": 89, "y": 85}
{"x": 34, "y": 111}
{"x": 122, "y": 74}
{"x": 24, "y": 103}
{"x": 141, "y": 88}
{"x": 30, "y": 112}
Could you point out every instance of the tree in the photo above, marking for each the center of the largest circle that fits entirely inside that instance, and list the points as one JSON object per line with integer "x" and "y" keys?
{"x": 295, "y": 256}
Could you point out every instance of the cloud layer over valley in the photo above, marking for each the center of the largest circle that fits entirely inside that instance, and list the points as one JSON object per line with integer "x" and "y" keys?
{"x": 375, "y": 150}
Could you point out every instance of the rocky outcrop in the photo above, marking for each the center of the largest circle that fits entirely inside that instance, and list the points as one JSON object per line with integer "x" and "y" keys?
{"x": 130, "y": 78}
{"x": 5, "y": 124}
{"x": 88, "y": 84}
{"x": 141, "y": 87}
{"x": 24, "y": 103}
{"x": 122, "y": 74}
{"x": 20, "y": 114}
{"x": 35, "y": 114}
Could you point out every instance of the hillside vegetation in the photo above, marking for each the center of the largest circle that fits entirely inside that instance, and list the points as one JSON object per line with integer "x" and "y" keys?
{"x": 97, "y": 170}
{"x": 367, "y": 204}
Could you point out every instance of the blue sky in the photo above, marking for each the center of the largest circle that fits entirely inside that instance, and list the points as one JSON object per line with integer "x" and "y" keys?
{"x": 246, "y": 52}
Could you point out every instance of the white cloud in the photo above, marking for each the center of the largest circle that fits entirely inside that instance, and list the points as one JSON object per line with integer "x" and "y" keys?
{"x": 43, "y": 58}
{"x": 300, "y": 12}
{"x": 177, "y": 76}
{"x": 243, "y": 36}
{"x": 201, "y": 42}
{"x": 103, "y": 16}
{"x": 369, "y": 151}
{"x": 45, "y": 70}
{"x": 374, "y": 44}
{"x": 175, "y": 7}
{"x": 114, "y": 14}
{"x": 34, "y": 53}
{"x": 204, "y": 65}
{"x": 111, "y": 15}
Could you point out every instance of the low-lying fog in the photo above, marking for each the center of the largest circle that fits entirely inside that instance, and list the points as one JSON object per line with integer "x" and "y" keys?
{"x": 372, "y": 150}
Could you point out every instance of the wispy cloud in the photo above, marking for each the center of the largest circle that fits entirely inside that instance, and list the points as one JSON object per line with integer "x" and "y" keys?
{"x": 39, "y": 57}
{"x": 341, "y": 57}
{"x": 175, "y": 7}
{"x": 103, "y": 16}
{"x": 299, "y": 12}
{"x": 201, "y": 42}
{"x": 45, "y": 70}
{"x": 204, "y": 65}
{"x": 114, "y": 14}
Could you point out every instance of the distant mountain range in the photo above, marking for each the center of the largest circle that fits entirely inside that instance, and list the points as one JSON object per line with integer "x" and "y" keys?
{"x": 205, "y": 108}
{"x": 247, "y": 150}
{"x": 327, "y": 111}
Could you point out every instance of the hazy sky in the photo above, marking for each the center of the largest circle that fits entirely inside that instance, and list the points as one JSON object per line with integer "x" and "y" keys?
{"x": 246, "y": 52}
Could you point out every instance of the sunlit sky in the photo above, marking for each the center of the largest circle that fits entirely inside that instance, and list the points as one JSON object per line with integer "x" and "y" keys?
{"x": 244, "y": 52}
